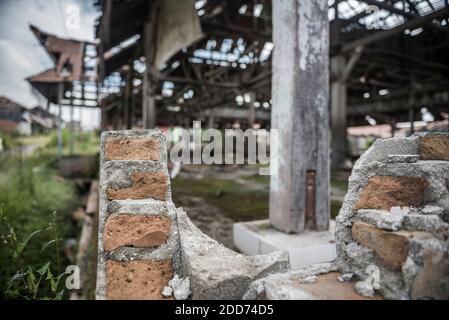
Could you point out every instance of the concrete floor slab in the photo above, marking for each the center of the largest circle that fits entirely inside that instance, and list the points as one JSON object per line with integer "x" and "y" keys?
{"x": 259, "y": 237}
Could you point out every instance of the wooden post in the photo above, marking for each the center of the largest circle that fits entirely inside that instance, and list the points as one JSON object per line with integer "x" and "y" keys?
{"x": 300, "y": 114}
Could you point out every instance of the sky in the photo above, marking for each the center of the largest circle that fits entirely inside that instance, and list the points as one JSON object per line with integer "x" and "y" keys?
{"x": 21, "y": 55}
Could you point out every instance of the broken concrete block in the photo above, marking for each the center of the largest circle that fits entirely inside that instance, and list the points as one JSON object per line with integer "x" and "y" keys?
{"x": 364, "y": 289}
{"x": 291, "y": 285}
{"x": 180, "y": 287}
{"x": 428, "y": 223}
{"x": 216, "y": 272}
{"x": 402, "y": 158}
{"x": 432, "y": 209}
{"x": 388, "y": 220}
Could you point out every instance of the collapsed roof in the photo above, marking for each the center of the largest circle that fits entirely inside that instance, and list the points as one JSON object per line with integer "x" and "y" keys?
{"x": 403, "y": 64}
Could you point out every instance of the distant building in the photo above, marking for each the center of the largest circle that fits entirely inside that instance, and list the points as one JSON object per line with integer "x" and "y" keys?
{"x": 15, "y": 118}
{"x": 43, "y": 120}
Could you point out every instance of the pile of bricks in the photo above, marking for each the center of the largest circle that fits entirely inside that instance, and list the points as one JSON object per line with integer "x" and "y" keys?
{"x": 138, "y": 251}
{"x": 395, "y": 217}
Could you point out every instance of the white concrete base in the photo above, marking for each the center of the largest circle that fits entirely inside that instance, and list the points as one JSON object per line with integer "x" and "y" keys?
{"x": 259, "y": 237}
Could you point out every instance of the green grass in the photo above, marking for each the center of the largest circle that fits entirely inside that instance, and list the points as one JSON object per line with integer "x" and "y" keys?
{"x": 30, "y": 192}
{"x": 264, "y": 180}
{"x": 9, "y": 141}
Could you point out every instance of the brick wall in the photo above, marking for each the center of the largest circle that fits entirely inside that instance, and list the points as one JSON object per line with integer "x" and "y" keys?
{"x": 138, "y": 250}
{"x": 149, "y": 249}
{"x": 395, "y": 216}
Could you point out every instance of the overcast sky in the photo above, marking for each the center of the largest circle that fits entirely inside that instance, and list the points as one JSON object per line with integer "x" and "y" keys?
{"x": 21, "y": 55}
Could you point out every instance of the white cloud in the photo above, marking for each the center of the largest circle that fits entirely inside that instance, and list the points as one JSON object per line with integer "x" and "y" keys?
{"x": 21, "y": 55}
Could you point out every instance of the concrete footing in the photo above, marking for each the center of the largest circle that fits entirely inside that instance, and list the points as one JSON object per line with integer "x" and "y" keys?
{"x": 259, "y": 237}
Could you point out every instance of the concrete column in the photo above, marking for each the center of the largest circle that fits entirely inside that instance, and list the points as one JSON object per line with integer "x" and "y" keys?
{"x": 148, "y": 104}
{"x": 72, "y": 133}
{"x": 59, "y": 150}
{"x": 338, "y": 111}
{"x": 211, "y": 119}
{"x": 148, "y": 101}
{"x": 299, "y": 188}
{"x": 411, "y": 117}
{"x": 251, "y": 110}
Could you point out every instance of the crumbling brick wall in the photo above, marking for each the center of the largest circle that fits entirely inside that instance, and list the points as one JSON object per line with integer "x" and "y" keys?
{"x": 138, "y": 245}
{"x": 149, "y": 249}
{"x": 395, "y": 217}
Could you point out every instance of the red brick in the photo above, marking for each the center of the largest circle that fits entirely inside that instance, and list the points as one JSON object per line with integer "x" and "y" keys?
{"x": 434, "y": 148}
{"x": 137, "y": 280}
{"x": 384, "y": 192}
{"x": 132, "y": 149}
{"x": 390, "y": 247}
{"x": 144, "y": 185}
{"x": 135, "y": 231}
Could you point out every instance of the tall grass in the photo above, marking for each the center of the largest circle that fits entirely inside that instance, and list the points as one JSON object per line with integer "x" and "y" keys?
{"x": 30, "y": 193}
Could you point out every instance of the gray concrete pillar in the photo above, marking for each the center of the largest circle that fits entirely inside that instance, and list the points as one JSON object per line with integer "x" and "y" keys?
{"x": 148, "y": 105}
{"x": 338, "y": 111}
{"x": 148, "y": 100}
{"x": 299, "y": 188}
{"x": 251, "y": 110}
{"x": 211, "y": 119}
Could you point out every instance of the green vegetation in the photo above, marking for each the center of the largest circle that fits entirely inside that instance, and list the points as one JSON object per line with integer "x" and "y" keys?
{"x": 30, "y": 282}
{"x": 85, "y": 143}
{"x": 33, "y": 198}
{"x": 36, "y": 206}
{"x": 9, "y": 141}
{"x": 258, "y": 178}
